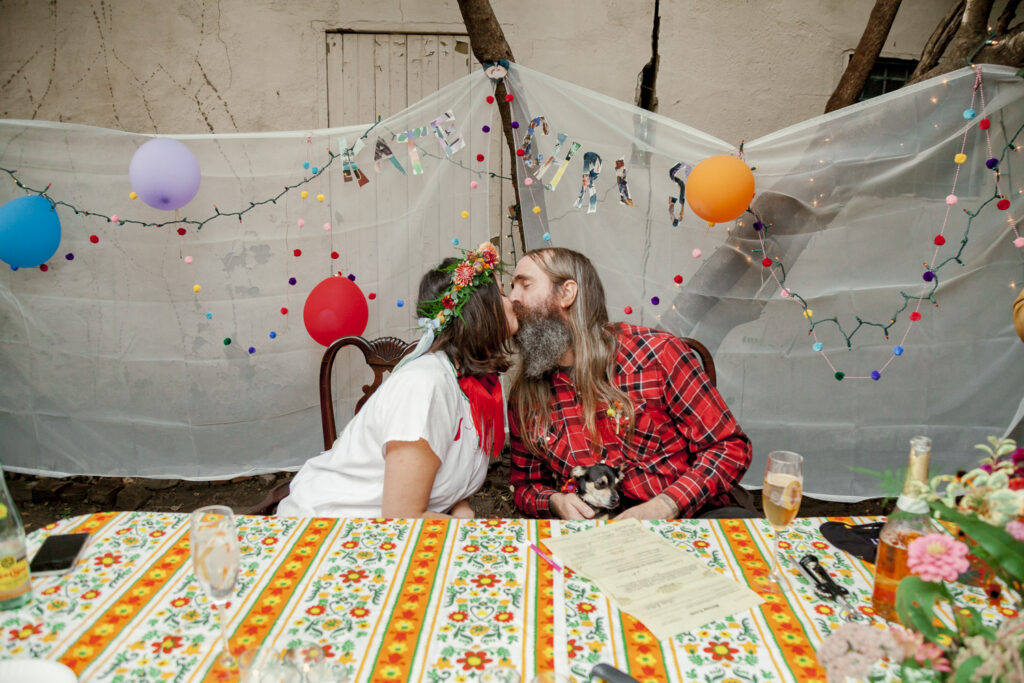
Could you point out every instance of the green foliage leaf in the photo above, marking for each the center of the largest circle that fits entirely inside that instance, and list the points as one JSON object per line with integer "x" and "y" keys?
{"x": 891, "y": 481}
{"x": 915, "y": 599}
{"x": 1001, "y": 550}
{"x": 965, "y": 671}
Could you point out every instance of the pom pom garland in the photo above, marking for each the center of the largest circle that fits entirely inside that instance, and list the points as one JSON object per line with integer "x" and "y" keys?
{"x": 915, "y": 316}
{"x": 951, "y": 200}
{"x": 292, "y": 281}
{"x": 486, "y": 129}
{"x": 876, "y": 375}
{"x": 817, "y": 346}
{"x": 94, "y": 239}
{"x": 678, "y": 279}
{"x": 297, "y": 252}
{"x": 984, "y": 124}
{"x": 479, "y": 157}
{"x": 490, "y": 99}
{"x": 940, "y": 240}
{"x": 628, "y": 310}
{"x": 1003, "y": 204}
{"x": 334, "y": 254}
{"x": 897, "y": 351}
{"x": 284, "y": 311}
{"x": 655, "y": 300}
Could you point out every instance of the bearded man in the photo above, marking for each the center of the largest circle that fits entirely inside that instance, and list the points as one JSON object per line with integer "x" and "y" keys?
{"x": 589, "y": 391}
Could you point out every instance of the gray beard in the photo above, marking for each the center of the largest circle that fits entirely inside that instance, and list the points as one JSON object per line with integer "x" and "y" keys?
{"x": 542, "y": 341}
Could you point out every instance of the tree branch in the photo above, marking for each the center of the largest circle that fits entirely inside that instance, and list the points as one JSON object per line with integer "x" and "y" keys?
{"x": 976, "y": 16}
{"x": 871, "y": 41}
{"x": 489, "y": 45}
{"x": 1009, "y": 12}
{"x": 939, "y": 41}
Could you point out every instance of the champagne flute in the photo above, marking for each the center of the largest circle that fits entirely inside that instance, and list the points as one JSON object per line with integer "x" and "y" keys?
{"x": 783, "y": 489}
{"x": 216, "y": 559}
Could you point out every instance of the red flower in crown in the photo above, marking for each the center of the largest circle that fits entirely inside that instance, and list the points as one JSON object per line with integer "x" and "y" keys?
{"x": 448, "y": 302}
{"x": 488, "y": 253}
{"x": 464, "y": 274}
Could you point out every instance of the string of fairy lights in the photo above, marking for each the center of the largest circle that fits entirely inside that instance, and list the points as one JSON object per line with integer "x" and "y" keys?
{"x": 762, "y": 227}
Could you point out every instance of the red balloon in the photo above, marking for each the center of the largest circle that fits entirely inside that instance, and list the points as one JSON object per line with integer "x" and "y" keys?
{"x": 335, "y": 308}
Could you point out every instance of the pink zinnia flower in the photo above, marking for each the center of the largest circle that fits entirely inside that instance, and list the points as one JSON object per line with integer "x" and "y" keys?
{"x": 1016, "y": 529}
{"x": 464, "y": 274}
{"x": 934, "y": 655}
{"x": 937, "y": 557}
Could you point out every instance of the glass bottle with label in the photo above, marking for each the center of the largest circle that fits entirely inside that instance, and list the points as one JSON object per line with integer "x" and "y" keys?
{"x": 910, "y": 519}
{"x": 15, "y": 583}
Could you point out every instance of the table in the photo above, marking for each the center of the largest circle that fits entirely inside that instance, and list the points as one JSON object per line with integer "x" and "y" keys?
{"x": 430, "y": 600}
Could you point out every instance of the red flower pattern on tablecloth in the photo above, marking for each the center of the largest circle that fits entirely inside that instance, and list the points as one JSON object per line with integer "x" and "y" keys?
{"x": 474, "y": 660}
{"x": 167, "y": 645}
{"x": 720, "y": 651}
{"x": 458, "y": 617}
{"x": 269, "y": 540}
{"x": 359, "y": 612}
{"x": 387, "y": 546}
{"x": 180, "y": 602}
{"x": 509, "y": 549}
{"x": 107, "y": 560}
{"x": 504, "y": 617}
{"x": 585, "y": 607}
{"x": 486, "y": 580}
{"x": 349, "y": 545}
{"x": 159, "y": 533}
{"x": 26, "y": 631}
{"x": 470, "y": 548}
{"x": 316, "y": 610}
{"x": 354, "y": 576}
{"x": 573, "y": 648}
{"x": 90, "y": 595}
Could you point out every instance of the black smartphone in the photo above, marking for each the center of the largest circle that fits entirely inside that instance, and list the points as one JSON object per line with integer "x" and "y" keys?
{"x": 58, "y": 554}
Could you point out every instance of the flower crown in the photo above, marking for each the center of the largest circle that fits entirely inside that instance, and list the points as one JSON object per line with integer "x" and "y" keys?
{"x": 474, "y": 270}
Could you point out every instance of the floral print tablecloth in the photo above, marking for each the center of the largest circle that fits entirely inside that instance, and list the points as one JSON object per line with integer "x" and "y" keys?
{"x": 413, "y": 600}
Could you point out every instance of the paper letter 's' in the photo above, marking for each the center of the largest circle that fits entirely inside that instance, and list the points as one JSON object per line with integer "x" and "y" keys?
{"x": 591, "y": 169}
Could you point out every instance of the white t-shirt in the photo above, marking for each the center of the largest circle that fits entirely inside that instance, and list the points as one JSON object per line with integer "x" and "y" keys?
{"x": 422, "y": 400}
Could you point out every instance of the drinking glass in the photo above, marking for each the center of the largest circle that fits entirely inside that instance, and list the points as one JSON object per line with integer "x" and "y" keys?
{"x": 215, "y": 560}
{"x": 308, "y": 660}
{"x": 500, "y": 674}
{"x": 783, "y": 489}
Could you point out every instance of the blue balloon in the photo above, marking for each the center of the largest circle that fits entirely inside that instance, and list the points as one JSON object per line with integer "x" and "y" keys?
{"x": 29, "y": 231}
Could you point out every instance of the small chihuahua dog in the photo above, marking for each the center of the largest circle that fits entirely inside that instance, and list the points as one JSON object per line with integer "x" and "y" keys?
{"x": 598, "y": 487}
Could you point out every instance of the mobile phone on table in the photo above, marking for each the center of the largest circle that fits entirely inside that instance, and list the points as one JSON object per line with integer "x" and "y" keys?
{"x": 58, "y": 554}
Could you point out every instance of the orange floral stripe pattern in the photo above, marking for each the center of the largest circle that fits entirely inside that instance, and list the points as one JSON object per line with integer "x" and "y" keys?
{"x": 395, "y": 657}
{"x": 785, "y": 626}
{"x": 642, "y": 652}
{"x": 545, "y": 607}
{"x": 105, "y": 630}
{"x": 276, "y": 593}
{"x": 93, "y": 523}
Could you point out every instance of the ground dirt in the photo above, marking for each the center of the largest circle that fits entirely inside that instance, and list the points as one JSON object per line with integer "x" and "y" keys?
{"x": 42, "y": 500}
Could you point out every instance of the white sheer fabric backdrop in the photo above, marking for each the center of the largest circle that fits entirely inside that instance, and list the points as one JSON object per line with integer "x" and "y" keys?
{"x": 109, "y": 364}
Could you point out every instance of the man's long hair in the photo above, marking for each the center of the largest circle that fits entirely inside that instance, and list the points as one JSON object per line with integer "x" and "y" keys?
{"x": 594, "y": 343}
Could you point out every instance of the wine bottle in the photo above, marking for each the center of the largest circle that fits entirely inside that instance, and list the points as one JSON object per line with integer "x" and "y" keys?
{"x": 15, "y": 582}
{"x": 910, "y": 519}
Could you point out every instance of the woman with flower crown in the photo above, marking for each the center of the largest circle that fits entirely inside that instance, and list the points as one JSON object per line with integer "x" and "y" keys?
{"x": 420, "y": 446}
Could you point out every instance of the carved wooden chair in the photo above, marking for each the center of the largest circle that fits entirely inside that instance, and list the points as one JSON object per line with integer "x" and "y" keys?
{"x": 382, "y": 355}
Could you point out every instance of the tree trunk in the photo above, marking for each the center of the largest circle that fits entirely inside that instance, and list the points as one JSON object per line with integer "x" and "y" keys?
{"x": 939, "y": 41}
{"x": 871, "y": 41}
{"x": 489, "y": 45}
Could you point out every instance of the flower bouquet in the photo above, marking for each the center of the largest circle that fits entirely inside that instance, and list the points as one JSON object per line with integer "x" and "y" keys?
{"x": 987, "y": 505}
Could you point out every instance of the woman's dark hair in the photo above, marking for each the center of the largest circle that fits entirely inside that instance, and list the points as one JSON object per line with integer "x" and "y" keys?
{"x": 478, "y": 342}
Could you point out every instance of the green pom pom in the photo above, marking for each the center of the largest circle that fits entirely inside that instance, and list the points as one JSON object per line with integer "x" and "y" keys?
{"x": 840, "y": 375}
{"x": 227, "y": 341}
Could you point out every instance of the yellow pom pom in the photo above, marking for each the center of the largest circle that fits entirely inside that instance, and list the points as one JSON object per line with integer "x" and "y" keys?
{"x": 132, "y": 195}
{"x": 303, "y": 194}
{"x": 808, "y": 313}
{"x": 536, "y": 209}
{"x": 960, "y": 158}
{"x": 464, "y": 214}
{"x": 196, "y": 288}
{"x": 711, "y": 224}
{"x": 319, "y": 197}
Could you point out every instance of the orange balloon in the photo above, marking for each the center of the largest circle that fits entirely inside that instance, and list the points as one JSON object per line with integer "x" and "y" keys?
{"x": 720, "y": 188}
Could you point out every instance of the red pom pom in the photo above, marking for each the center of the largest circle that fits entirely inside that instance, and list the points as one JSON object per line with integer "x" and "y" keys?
{"x": 94, "y": 239}
{"x": 371, "y": 296}
{"x": 509, "y": 97}
{"x": 181, "y": 231}
{"x": 984, "y": 124}
{"x": 490, "y": 99}
{"x": 940, "y": 240}
{"x": 766, "y": 262}
{"x": 297, "y": 252}
{"x": 915, "y": 316}
{"x": 479, "y": 157}
{"x": 628, "y": 310}
{"x": 284, "y": 311}
{"x": 520, "y": 152}
{"x": 1003, "y": 204}
{"x": 334, "y": 254}
{"x": 678, "y": 279}
{"x": 44, "y": 267}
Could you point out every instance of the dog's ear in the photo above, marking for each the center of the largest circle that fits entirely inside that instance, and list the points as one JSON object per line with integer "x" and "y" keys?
{"x": 578, "y": 472}
{"x": 619, "y": 475}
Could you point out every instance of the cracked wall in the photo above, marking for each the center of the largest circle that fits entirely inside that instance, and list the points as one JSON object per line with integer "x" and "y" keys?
{"x": 736, "y": 69}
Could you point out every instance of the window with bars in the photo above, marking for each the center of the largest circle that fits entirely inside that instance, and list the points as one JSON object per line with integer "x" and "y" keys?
{"x": 888, "y": 74}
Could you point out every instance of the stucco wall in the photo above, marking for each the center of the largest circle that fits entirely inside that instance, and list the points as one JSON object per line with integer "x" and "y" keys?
{"x": 733, "y": 68}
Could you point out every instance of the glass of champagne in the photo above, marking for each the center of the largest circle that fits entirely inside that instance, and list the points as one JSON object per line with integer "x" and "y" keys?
{"x": 216, "y": 559}
{"x": 783, "y": 489}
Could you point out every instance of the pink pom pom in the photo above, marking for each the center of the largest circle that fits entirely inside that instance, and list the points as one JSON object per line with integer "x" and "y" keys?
{"x": 951, "y": 199}
{"x": 696, "y": 253}
{"x": 113, "y": 219}
{"x": 528, "y": 182}
{"x": 188, "y": 259}
{"x": 1019, "y": 243}
{"x": 474, "y": 184}
{"x": 784, "y": 293}
{"x": 300, "y": 222}
{"x": 327, "y": 226}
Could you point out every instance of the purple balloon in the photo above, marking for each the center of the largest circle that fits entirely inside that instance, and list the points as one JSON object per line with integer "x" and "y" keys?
{"x": 165, "y": 174}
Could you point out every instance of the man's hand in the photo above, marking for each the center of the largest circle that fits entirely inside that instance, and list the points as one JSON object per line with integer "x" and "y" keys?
{"x": 659, "y": 507}
{"x": 462, "y": 510}
{"x": 570, "y": 506}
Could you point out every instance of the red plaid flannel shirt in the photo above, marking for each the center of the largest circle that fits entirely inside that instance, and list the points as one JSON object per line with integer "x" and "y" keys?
{"x": 685, "y": 443}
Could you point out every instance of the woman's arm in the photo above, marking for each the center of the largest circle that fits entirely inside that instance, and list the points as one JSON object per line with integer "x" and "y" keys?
{"x": 409, "y": 471}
